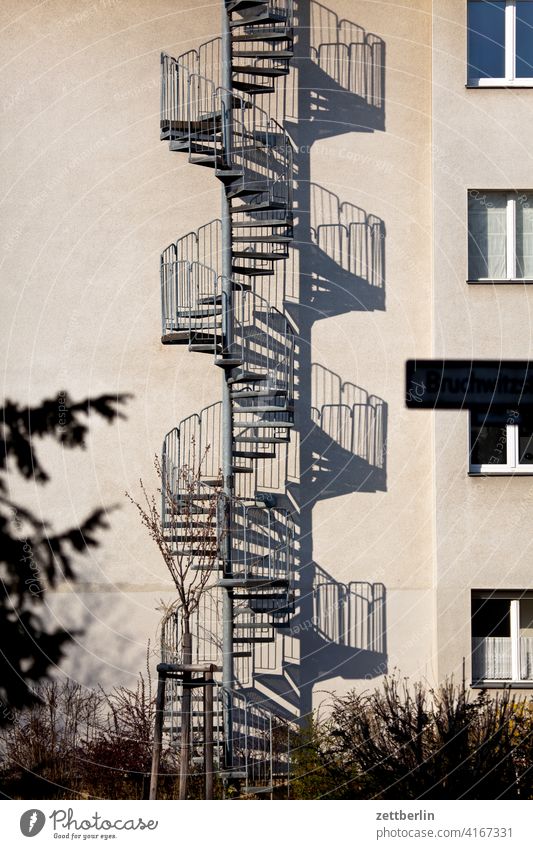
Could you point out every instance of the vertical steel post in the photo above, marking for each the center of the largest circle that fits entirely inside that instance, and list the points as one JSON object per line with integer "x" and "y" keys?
{"x": 227, "y": 424}
{"x": 208, "y": 734}
{"x": 158, "y": 733}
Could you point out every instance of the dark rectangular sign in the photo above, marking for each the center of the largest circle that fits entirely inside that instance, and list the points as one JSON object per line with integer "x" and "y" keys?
{"x": 457, "y": 384}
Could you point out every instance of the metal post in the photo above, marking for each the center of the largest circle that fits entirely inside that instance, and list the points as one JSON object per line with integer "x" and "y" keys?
{"x": 186, "y": 701}
{"x": 208, "y": 735}
{"x": 227, "y": 424}
{"x": 158, "y": 733}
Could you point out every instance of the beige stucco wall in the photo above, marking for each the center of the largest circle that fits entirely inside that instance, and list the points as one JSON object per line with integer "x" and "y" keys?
{"x": 91, "y": 196}
{"x": 483, "y": 525}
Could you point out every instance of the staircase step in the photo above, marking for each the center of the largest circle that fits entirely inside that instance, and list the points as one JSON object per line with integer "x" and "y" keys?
{"x": 255, "y": 455}
{"x": 248, "y": 640}
{"x": 262, "y": 240}
{"x": 262, "y": 54}
{"x": 259, "y": 70}
{"x": 228, "y": 362}
{"x": 263, "y": 222}
{"x": 259, "y": 206}
{"x": 262, "y": 423}
{"x": 250, "y": 187}
{"x": 286, "y": 408}
{"x": 252, "y": 88}
{"x": 250, "y": 271}
{"x": 267, "y": 255}
{"x": 205, "y": 313}
{"x": 237, "y": 5}
{"x": 245, "y": 582}
{"x": 258, "y": 393}
{"x": 263, "y": 35}
{"x": 253, "y": 18}
{"x": 242, "y": 654}
{"x": 247, "y": 377}
{"x": 242, "y": 470}
{"x": 260, "y": 440}
{"x": 176, "y": 337}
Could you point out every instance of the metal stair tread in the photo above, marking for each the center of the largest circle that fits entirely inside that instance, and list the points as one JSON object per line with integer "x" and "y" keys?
{"x": 258, "y": 393}
{"x": 246, "y": 581}
{"x": 267, "y": 255}
{"x": 251, "y": 271}
{"x": 258, "y": 70}
{"x": 264, "y": 409}
{"x": 259, "y": 440}
{"x": 263, "y": 423}
{"x": 260, "y": 54}
{"x": 267, "y": 35}
{"x": 259, "y": 206}
{"x": 248, "y": 376}
{"x": 252, "y": 88}
{"x": 263, "y": 222}
{"x": 261, "y": 240}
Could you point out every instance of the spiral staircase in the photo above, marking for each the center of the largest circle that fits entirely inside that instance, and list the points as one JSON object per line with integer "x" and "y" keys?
{"x": 212, "y": 306}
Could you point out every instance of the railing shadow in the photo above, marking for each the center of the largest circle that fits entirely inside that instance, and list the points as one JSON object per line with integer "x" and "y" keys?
{"x": 340, "y": 69}
{"x": 347, "y": 435}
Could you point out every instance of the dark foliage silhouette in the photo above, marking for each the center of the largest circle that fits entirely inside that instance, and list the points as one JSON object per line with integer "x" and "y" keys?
{"x": 33, "y": 557}
{"x": 398, "y": 742}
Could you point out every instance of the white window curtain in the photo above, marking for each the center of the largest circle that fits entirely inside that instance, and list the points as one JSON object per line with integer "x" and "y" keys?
{"x": 491, "y": 658}
{"x": 487, "y": 236}
{"x": 524, "y": 235}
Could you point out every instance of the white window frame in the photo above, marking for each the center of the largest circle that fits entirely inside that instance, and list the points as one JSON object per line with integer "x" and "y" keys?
{"x": 510, "y": 224}
{"x": 514, "y": 633}
{"x": 510, "y": 80}
{"x": 512, "y": 466}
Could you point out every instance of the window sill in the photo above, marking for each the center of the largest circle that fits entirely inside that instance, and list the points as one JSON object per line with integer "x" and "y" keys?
{"x": 525, "y": 83}
{"x": 505, "y": 473}
{"x": 498, "y": 281}
{"x": 502, "y": 685}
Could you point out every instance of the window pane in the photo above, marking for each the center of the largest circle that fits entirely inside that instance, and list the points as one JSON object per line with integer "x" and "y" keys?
{"x": 491, "y": 639}
{"x": 524, "y": 38}
{"x": 491, "y": 617}
{"x": 525, "y": 441}
{"x": 486, "y": 39}
{"x": 524, "y": 234}
{"x": 488, "y": 445}
{"x": 487, "y": 239}
{"x": 526, "y": 638}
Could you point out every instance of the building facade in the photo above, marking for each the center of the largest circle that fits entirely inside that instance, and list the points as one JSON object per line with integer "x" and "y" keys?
{"x": 408, "y": 134}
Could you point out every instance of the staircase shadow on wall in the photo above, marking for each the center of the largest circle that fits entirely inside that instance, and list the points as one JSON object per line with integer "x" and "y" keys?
{"x": 336, "y": 266}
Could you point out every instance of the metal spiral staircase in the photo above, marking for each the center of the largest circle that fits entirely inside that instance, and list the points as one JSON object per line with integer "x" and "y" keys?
{"x": 209, "y": 111}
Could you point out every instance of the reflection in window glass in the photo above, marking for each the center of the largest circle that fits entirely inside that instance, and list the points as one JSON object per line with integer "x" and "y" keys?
{"x": 489, "y": 445}
{"x": 487, "y": 235}
{"x": 491, "y": 617}
{"x": 525, "y": 441}
{"x": 524, "y": 38}
{"x": 486, "y": 39}
{"x": 524, "y": 235}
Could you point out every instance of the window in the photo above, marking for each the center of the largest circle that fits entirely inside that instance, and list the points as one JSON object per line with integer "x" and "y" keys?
{"x": 501, "y": 444}
{"x": 500, "y": 42}
{"x": 500, "y": 235}
{"x": 502, "y": 636}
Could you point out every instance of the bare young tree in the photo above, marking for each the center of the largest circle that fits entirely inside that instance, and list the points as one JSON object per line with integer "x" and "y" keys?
{"x": 186, "y": 534}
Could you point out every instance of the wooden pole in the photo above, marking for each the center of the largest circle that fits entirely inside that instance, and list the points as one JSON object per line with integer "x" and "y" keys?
{"x": 208, "y": 734}
{"x": 185, "y": 742}
{"x": 158, "y": 733}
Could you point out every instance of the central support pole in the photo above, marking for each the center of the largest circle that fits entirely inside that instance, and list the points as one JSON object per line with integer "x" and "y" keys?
{"x": 227, "y": 423}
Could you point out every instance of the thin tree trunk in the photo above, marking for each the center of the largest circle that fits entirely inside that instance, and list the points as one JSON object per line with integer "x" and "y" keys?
{"x": 185, "y": 712}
